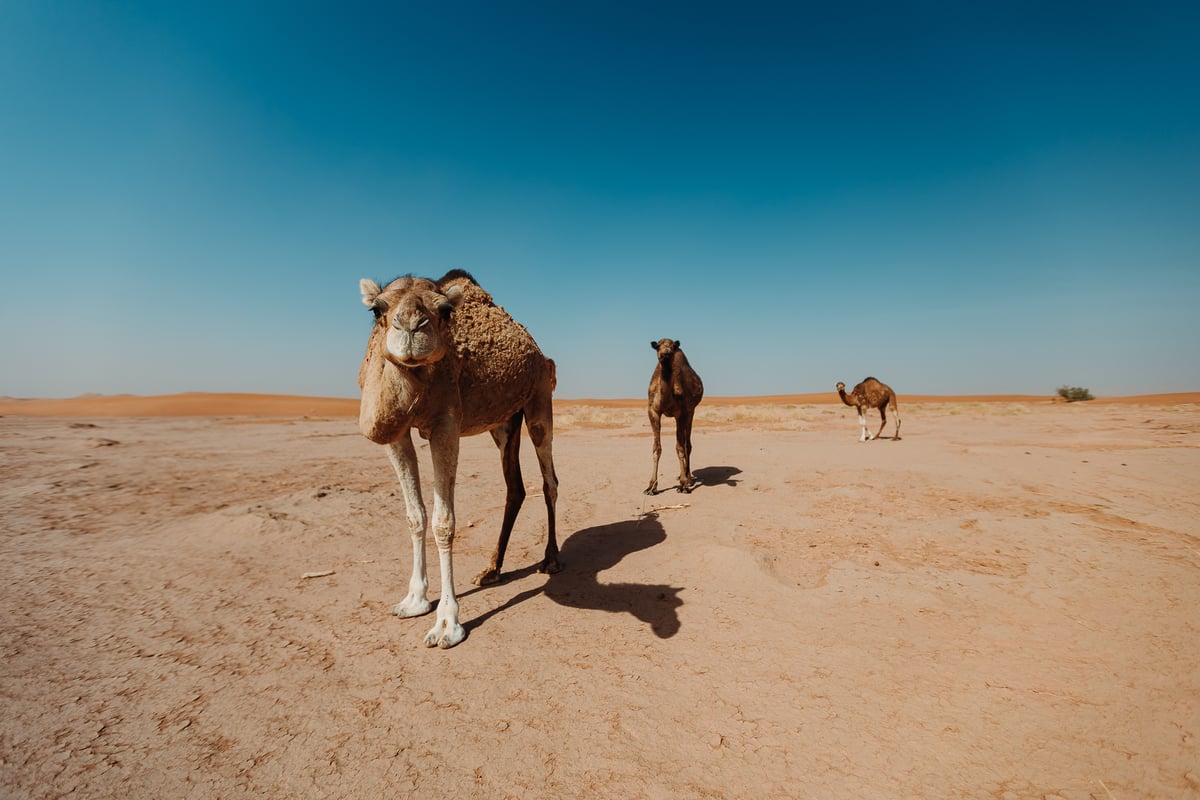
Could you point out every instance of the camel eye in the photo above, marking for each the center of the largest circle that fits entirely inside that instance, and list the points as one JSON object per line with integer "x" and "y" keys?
{"x": 377, "y": 310}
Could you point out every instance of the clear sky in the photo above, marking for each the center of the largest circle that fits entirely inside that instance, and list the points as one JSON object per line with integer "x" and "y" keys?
{"x": 955, "y": 197}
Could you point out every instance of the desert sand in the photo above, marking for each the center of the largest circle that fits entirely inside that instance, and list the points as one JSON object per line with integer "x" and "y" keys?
{"x": 1003, "y": 604}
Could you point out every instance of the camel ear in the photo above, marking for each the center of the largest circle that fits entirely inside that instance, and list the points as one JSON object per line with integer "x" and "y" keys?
{"x": 676, "y": 344}
{"x": 654, "y": 346}
{"x": 370, "y": 290}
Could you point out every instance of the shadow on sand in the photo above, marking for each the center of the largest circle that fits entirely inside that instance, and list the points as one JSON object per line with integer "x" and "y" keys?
{"x": 587, "y": 553}
{"x": 717, "y": 476}
{"x": 708, "y": 476}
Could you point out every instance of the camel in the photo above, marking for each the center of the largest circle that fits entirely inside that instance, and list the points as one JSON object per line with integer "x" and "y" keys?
{"x": 871, "y": 393}
{"x": 443, "y": 359}
{"x": 675, "y": 390}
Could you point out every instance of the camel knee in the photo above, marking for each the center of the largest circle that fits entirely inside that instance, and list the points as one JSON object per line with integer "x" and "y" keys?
{"x": 443, "y": 535}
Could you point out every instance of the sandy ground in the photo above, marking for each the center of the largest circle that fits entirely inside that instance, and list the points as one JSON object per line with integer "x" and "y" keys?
{"x": 1003, "y": 604}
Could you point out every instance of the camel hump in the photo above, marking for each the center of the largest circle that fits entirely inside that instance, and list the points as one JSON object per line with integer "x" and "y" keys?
{"x": 870, "y": 378}
{"x": 455, "y": 276}
{"x": 500, "y": 363}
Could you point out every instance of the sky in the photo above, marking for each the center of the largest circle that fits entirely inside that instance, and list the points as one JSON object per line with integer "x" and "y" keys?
{"x": 957, "y": 198}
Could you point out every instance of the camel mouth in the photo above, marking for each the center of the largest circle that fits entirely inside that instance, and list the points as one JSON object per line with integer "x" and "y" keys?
{"x": 409, "y": 362}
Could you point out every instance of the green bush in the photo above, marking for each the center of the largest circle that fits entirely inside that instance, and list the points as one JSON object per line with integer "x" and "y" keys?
{"x": 1073, "y": 393}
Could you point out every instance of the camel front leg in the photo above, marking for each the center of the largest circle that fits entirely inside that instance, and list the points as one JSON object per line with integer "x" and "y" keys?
{"x": 656, "y": 429}
{"x": 443, "y": 445}
{"x": 865, "y": 436}
{"x": 404, "y": 462}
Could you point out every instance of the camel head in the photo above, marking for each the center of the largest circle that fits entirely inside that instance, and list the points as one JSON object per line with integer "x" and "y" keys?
{"x": 841, "y": 387}
{"x": 415, "y": 315}
{"x": 666, "y": 348}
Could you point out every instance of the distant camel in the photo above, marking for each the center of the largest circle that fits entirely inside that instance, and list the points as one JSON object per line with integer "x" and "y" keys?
{"x": 871, "y": 394}
{"x": 675, "y": 390}
{"x": 445, "y": 360}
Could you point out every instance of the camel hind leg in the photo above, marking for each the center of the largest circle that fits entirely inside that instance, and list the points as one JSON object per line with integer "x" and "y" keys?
{"x": 683, "y": 449}
{"x": 896, "y": 411}
{"x": 882, "y": 421}
{"x": 540, "y": 420}
{"x": 508, "y": 439}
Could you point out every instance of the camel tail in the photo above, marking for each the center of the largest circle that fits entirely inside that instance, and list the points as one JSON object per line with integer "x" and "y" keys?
{"x": 553, "y": 373}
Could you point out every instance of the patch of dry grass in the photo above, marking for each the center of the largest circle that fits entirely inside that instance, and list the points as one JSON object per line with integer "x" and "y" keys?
{"x": 761, "y": 416}
{"x": 583, "y": 416}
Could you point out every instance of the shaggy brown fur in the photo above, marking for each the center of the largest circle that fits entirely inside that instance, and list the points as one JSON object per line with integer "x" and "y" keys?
{"x": 443, "y": 359}
{"x": 675, "y": 390}
{"x": 871, "y": 393}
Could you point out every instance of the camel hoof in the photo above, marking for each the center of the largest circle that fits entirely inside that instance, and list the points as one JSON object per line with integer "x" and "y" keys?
{"x": 549, "y": 566}
{"x": 445, "y": 636}
{"x": 412, "y": 607}
{"x": 684, "y": 489}
{"x": 489, "y": 577}
{"x": 651, "y": 490}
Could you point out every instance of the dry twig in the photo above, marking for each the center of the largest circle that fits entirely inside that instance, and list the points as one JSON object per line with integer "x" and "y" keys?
{"x": 320, "y": 574}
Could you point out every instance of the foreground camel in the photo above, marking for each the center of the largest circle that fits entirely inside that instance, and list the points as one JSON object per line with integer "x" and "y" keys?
{"x": 445, "y": 360}
{"x": 675, "y": 390}
{"x": 871, "y": 394}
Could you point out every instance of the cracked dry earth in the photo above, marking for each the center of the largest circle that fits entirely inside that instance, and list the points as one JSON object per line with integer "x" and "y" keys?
{"x": 1001, "y": 605}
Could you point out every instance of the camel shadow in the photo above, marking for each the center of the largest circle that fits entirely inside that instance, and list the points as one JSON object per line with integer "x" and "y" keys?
{"x": 707, "y": 476}
{"x": 717, "y": 476}
{"x": 587, "y": 553}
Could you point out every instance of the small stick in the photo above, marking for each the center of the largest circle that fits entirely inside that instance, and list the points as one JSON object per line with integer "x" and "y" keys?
{"x": 320, "y": 574}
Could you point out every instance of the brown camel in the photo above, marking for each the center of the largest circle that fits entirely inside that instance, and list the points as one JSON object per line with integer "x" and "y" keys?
{"x": 675, "y": 390}
{"x": 445, "y": 360}
{"x": 871, "y": 393}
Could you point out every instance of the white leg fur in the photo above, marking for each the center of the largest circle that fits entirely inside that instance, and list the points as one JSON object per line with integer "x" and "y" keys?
{"x": 862, "y": 423}
{"x": 443, "y": 444}
{"x": 446, "y": 631}
{"x": 404, "y": 461}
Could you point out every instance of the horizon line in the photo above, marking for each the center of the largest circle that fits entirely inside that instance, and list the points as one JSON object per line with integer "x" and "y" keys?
{"x": 261, "y": 404}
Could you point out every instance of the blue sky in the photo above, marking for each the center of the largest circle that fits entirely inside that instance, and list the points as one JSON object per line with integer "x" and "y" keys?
{"x": 954, "y": 197}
